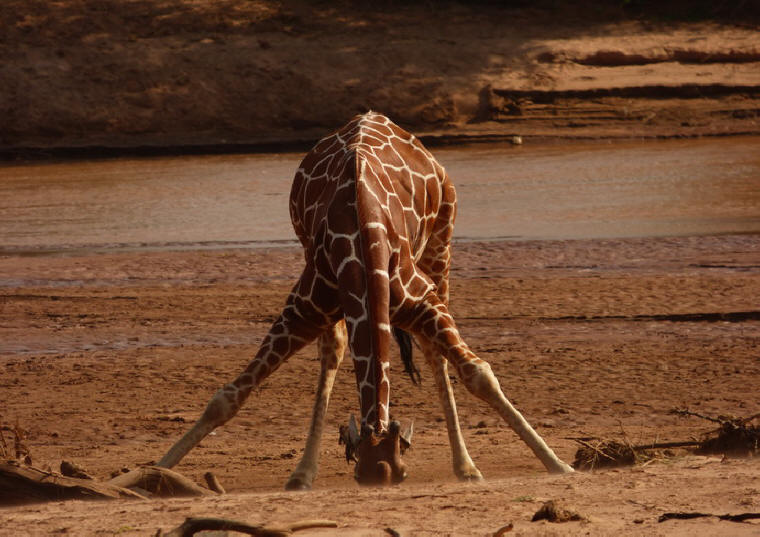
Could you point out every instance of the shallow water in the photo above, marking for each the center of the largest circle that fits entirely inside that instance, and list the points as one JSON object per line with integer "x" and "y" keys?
{"x": 556, "y": 191}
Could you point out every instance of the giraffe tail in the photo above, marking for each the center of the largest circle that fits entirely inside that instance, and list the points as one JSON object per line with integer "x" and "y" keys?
{"x": 404, "y": 341}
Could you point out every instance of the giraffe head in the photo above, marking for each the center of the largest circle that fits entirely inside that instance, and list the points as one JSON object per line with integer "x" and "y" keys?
{"x": 377, "y": 455}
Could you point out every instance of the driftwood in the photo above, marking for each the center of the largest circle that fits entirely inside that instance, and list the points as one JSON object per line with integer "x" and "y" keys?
{"x": 160, "y": 482}
{"x": 26, "y": 484}
{"x": 194, "y": 525}
{"x": 20, "y": 484}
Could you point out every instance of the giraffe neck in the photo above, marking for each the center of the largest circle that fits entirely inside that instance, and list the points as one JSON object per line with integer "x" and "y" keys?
{"x": 364, "y": 204}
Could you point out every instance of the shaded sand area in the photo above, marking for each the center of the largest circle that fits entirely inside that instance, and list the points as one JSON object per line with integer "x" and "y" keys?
{"x": 107, "y": 358}
{"x": 169, "y": 73}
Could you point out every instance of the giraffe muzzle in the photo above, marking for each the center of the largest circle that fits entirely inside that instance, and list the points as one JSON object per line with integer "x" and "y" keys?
{"x": 377, "y": 455}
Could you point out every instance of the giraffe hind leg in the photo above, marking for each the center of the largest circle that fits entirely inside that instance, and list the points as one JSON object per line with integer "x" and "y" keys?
{"x": 435, "y": 262}
{"x": 431, "y": 321}
{"x": 332, "y": 345}
{"x": 464, "y": 468}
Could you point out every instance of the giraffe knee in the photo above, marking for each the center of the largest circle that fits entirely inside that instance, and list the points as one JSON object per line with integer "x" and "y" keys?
{"x": 340, "y": 338}
{"x": 479, "y": 379}
{"x": 332, "y": 346}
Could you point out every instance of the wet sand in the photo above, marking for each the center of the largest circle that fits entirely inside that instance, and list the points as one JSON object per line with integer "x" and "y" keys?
{"x": 536, "y": 191}
{"x": 106, "y": 359}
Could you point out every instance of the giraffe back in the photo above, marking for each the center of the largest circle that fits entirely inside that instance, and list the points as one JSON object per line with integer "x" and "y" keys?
{"x": 371, "y": 154}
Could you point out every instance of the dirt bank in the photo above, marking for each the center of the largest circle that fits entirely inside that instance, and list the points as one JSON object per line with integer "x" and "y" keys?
{"x": 106, "y": 359}
{"x": 175, "y": 72}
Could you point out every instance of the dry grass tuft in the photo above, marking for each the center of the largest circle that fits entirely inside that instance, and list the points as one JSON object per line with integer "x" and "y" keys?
{"x": 595, "y": 453}
{"x": 19, "y": 451}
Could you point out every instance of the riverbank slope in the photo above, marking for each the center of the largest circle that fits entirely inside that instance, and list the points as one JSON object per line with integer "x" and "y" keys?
{"x": 173, "y": 73}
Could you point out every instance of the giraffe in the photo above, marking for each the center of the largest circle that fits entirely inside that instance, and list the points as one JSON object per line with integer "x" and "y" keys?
{"x": 374, "y": 212}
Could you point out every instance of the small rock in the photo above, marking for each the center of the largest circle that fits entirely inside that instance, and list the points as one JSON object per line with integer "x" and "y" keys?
{"x": 70, "y": 469}
{"x": 504, "y": 529}
{"x": 117, "y": 473}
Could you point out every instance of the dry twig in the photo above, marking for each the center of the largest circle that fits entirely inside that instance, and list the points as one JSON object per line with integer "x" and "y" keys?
{"x": 193, "y": 525}
{"x": 741, "y": 517}
{"x": 735, "y": 436}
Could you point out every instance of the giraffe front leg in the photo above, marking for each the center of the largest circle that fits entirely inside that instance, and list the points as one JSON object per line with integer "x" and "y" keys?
{"x": 482, "y": 383}
{"x": 222, "y": 407}
{"x": 296, "y": 326}
{"x": 464, "y": 468}
{"x": 332, "y": 345}
{"x": 432, "y": 321}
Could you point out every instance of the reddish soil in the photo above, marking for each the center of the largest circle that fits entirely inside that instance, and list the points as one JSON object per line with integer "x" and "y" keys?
{"x": 107, "y": 359}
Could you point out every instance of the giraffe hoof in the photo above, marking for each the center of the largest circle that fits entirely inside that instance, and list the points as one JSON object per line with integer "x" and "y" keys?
{"x": 561, "y": 468}
{"x": 470, "y": 476}
{"x": 296, "y": 483}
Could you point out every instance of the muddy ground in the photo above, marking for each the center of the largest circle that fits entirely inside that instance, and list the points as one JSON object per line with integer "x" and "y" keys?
{"x": 108, "y": 358}
{"x": 170, "y": 73}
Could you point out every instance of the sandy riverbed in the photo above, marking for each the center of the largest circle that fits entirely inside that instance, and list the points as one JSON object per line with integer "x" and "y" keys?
{"x": 108, "y": 358}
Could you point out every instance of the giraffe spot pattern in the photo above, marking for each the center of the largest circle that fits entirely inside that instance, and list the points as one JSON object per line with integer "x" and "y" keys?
{"x": 374, "y": 212}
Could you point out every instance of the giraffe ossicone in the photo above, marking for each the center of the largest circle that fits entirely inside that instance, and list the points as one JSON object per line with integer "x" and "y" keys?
{"x": 375, "y": 214}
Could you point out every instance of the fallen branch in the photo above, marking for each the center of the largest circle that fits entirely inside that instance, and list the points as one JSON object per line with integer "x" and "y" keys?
{"x": 193, "y": 525}
{"x": 666, "y": 445}
{"x": 213, "y": 483}
{"x": 734, "y": 437}
{"x": 688, "y": 413}
{"x": 583, "y": 440}
{"x": 741, "y": 517}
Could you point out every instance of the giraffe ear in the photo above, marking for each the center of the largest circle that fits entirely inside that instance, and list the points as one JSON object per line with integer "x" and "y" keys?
{"x": 349, "y": 435}
{"x": 406, "y": 436}
{"x": 353, "y": 431}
